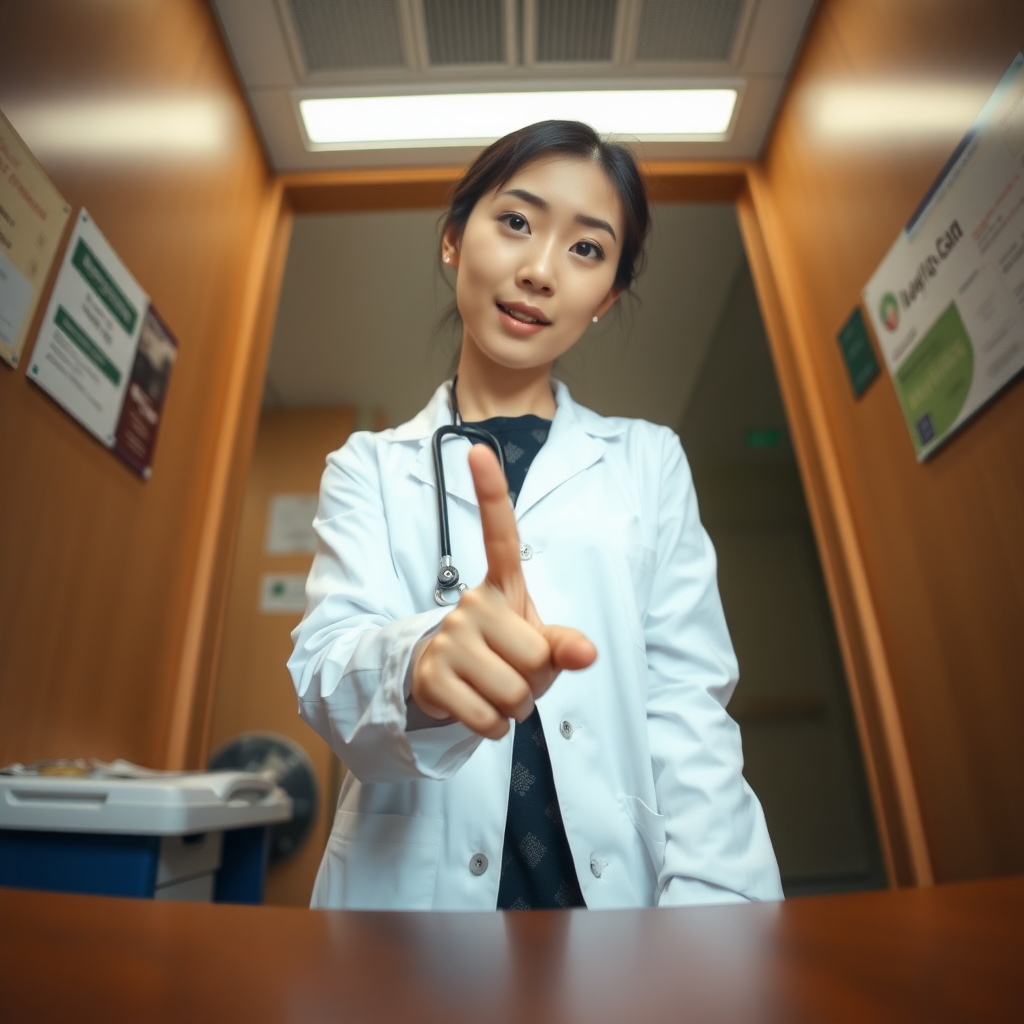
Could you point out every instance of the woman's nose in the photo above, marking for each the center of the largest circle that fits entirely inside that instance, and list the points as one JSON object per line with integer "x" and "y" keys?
{"x": 537, "y": 273}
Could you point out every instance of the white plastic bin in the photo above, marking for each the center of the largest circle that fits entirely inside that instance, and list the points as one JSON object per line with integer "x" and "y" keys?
{"x": 197, "y": 836}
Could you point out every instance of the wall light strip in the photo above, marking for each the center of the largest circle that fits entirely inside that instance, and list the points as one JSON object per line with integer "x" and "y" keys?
{"x": 372, "y": 122}
{"x": 98, "y": 127}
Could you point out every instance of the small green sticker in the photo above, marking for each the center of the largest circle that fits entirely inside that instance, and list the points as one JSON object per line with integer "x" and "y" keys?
{"x": 858, "y": 354}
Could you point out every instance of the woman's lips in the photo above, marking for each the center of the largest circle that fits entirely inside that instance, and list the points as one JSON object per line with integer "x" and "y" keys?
{"x": 510, "y": 318}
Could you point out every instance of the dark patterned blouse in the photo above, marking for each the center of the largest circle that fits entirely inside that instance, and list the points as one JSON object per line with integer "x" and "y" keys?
{"x": 537, "y": 871}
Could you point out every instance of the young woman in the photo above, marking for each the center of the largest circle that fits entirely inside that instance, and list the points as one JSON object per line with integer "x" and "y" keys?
{"x": 556, "y": 734}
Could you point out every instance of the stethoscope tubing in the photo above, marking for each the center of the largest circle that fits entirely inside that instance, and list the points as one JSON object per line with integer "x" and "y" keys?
{"x": 448, "y": 581}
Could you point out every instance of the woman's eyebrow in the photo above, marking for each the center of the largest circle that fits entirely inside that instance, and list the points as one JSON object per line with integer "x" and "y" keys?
{"x": 595, "y": 222}
{"x": 543, "y": 204}
{"x": 527, "y": 197}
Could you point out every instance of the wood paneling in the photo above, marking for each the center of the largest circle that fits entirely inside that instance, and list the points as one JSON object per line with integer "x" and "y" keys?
{"x": 253, "y": 690}
{"x": 404, "y": 188}
{"x": 931, "y": 573}
{"x": 668, "y": 181}
{"x": 695, "y": 181}
{"x": 98, "y": 569}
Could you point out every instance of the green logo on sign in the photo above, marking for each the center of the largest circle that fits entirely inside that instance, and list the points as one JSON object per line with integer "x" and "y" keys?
{"x": 890, "y": 311}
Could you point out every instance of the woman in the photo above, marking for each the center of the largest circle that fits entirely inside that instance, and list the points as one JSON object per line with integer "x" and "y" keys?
{"x": 496, "y": 759}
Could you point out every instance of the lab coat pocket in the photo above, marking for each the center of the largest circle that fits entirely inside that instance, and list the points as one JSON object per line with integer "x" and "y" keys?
{"x": 651, "y": 826}
{"x": 379, "y": 862}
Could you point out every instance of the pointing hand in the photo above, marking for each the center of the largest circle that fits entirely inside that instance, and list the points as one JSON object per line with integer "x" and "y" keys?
{"x": 492, "y": 655}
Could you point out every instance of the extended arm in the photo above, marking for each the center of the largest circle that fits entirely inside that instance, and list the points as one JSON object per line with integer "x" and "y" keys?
{"x": 352, "y": 650}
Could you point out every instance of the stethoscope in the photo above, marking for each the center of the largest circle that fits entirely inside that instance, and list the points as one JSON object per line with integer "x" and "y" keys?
{"x": 449, "y": 586}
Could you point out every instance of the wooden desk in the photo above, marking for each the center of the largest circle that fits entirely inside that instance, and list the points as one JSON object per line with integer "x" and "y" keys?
{"x": 953, "y": 953}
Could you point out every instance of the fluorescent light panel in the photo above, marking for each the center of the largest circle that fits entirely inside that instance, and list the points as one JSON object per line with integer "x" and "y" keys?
{"x": 373, "y": 122}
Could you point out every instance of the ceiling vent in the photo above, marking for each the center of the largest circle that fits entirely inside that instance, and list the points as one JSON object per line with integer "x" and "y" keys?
{"x": 465, "y": 31}
{"x": 347, "y": 35}
{"x": 688, "y": 30}
{"x": 575, "y": 31}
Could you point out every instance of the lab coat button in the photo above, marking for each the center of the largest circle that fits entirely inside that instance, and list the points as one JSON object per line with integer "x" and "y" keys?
{"x": 478, "y": 863}
{"x": 596, "y": 867}
{"x": 566, "y": 728}
{"x": 525, "y": 552}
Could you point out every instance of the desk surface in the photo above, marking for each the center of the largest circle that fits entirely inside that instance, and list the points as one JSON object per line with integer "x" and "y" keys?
{"x": 952, "y": 953}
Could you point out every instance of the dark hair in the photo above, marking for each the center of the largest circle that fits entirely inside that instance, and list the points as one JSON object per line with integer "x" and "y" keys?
{"x": 502, "y": 159}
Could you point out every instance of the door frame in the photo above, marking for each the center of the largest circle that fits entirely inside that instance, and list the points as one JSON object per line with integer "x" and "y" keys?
{"x": 887, "y": 761}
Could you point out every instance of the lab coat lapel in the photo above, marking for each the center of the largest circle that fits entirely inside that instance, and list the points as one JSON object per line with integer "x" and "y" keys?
{"x": 457, "y": 479}
{"x": 458, "y": 482}
{"x": 568, "y": 450}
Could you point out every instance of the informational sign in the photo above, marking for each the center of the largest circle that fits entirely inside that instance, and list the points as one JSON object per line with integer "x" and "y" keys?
{"x": 32, "y": 218}
{"x": 103, "y": 353}
{"x": 290, "y": 524}
{"x": 282, "y": 592}
{"x": 947, "y": 302}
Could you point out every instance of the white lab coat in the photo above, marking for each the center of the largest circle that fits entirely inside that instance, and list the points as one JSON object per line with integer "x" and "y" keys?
{"x": 646, "y": 761}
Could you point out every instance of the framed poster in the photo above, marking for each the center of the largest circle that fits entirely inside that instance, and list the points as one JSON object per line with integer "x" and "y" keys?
{"x": 103, "y": 352}
{"x": 947, "y": 302}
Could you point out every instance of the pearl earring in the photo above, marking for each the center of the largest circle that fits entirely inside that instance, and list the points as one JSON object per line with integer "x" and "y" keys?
{"x": 595, "y": 319}
{"x": 447, "y": 259}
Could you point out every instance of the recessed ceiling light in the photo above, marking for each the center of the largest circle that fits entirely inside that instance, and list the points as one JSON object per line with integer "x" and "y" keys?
{"x": 389, "y": 122}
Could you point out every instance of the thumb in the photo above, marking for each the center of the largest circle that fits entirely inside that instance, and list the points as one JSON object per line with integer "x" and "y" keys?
{"x": 570, "y": 649}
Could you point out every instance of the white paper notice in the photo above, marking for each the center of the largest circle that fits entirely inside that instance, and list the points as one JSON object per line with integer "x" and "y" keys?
{"x": 290, "y": 524}
{"x": 32, "y": 219}
{"x": 16, "y": 294}
{"x": 87, "y": 343}
{"x": 947, "y": 302}
{"x": 282, "y": 592}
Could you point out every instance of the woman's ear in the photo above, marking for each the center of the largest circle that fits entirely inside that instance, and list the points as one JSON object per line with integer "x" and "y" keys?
{"x": 450, "y": 249}
{"x": 607, "y": 302}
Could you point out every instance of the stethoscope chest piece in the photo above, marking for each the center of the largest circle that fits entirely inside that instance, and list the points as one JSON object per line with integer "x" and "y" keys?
{"x": 449, "y": 587}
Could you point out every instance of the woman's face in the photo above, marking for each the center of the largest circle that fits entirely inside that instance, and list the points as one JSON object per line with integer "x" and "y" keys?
{"x": 537, "y": 261}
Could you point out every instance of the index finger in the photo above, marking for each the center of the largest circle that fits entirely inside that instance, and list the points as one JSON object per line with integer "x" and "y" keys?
{"x": 501, "y": 538}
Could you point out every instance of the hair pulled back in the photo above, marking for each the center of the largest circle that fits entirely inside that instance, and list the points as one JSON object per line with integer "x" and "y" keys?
{"x": 504, "y": 158}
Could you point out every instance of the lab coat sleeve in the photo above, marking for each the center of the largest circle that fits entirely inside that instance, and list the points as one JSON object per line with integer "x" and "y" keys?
{"x": 717, "y": 847}
{"x": 351, "y": 660}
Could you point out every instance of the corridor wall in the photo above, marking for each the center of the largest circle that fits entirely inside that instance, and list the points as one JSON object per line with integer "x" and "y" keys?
{"x": 939, "y": 546}
{"x": 104, "y": 578}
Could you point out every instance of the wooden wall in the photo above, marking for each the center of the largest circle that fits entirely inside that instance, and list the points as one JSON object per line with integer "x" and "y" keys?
{"x": 253, "y": 691}
{"x": 939, "y": 546}
{"x": 104, "y": 578}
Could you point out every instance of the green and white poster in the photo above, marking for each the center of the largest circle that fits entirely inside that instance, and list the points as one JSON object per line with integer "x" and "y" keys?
{"x": 86, "y": 347}
{"x": 947, "y": 302}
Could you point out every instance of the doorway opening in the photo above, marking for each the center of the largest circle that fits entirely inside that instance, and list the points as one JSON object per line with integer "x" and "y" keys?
{"x": 354, "y": 347}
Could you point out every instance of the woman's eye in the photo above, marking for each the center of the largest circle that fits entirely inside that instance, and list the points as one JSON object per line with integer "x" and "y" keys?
{"x": 589, "y": 250}
{"x": 515, "y": 221}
